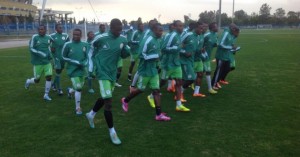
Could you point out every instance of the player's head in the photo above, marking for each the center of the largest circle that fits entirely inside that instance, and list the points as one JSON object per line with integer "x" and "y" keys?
{"x": 140, "y": 26}
{"x": 58, "y": 28}
{"x": 116, "y": 27}
{"x": 158, "y": 30}
{"x": 213, "y": 27}
{"x": 171, "y": 27}
{"x": 151, "y": 24}
{"x": 198, "y": 28}
{"x": 192, "y": 25}
{"x": 90, "y": 35}
{"x": 131, "y": 28}
{"x": 234, "y": 29}
{"x": 77, "y": 35}
{"x": 102, "y": 28}
{"x": 42, "y": 30}
{"x": 205, "y": 27}
{"x": 178, "y": 26}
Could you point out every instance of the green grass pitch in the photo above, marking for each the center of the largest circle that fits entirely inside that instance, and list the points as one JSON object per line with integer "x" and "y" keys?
{"x": 258, "y": 114}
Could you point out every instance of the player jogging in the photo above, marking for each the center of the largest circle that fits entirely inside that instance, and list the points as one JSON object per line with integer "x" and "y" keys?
{"x": 110, "y": 47}
{"x": 59, "y": 39}
{"x": 135, "y": 40}
{"x": 91, "y": 67}
{"x": 148, "y": 73}
{"x": 75, "y": 54}
{"x": 39, "y": 47}
{"x": 225, "y": 48}
{"x": 171, "y": 67}
{"x": 210, "y": 41}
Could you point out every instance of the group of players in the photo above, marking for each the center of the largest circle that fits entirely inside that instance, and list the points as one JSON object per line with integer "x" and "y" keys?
{"x": 179, "y": 59}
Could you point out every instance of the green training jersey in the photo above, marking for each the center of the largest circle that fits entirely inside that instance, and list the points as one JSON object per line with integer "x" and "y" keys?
{"x": 210, "y": 41}
{"x": 171, "y": 49}
{"x": 129, "y": 34}
{"x": 188, "y": 42}
{"x": 39, "y": 47}
{"x": 110, "y": 48}
{"x": 75, "y": 54}
{"x": 225, "y": 45}
{"x": 198, "y": 47}
{"x": 98, "y": 33}
{"x": 135, "y": 40}
{"x": 58, "y": 42}
{"x": 149, "y": 55}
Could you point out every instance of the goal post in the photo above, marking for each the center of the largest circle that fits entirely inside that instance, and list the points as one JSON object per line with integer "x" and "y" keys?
{"x": 264, "y": 27}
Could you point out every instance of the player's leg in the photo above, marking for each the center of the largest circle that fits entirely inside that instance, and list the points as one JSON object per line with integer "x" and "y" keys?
{"x": 198, "y": 68}
{"x": 47, "y": 69}
{"x": 154, "y": 85}
{"x": 217, "y": 74}
{"x": 91, "y": 75}
{"x": 37, "y": 72}
{"x": 134, "y": 81}
{"x": 77, "y": 83}
{"x": 132, "y": 64}
{"x": 142, "y": 84}
{"x": 119, "y": 71}
{"x": 232, "y": 67}
{"x": 207, "y": 71}
{"x": 176, "y": 74}
{"x": 188, "y": 76}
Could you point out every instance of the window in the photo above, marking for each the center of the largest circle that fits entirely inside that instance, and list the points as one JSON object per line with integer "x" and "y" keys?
{"x": 3, "y": 8}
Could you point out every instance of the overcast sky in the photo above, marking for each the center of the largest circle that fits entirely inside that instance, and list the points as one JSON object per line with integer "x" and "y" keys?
{"x": 168, "y": 9}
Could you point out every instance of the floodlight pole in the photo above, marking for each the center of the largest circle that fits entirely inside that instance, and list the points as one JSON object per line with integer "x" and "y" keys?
{"x": 220, "y": 12}
{"x": 232, "y": 11}
{"x": 42, "y": 11}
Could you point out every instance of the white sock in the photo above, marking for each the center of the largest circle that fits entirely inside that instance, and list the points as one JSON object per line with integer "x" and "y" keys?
{"x": 112, "y": 130}
{"x": 77, "y": 99}
{"x": 135, "y": 79}
{"x": 92, "y": 113}
{"x": 197, "y": 89}
{"x": 182, "y": 89}
{"x": 151, "y": 96}
{"x": 169, "y": 84}
{"x": 208, "y": 80}
{"x": 178, "y": 103}
{"x": 71, "y": 90}
{"x": 31, "y": 81}
{"x": 47, "y": 86}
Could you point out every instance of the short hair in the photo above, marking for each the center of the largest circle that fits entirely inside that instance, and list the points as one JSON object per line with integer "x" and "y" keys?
{"x": 77, "y": 29}
{"x": 234, "y": 27}
{"x": 156, "y": 25}
{"x": 88, "y": 33}
{"x": 211, "y": 25}
{"x": 140, "y": 23}
{"x": 193, "y": 24}
{"x": 175, "y": 22}
{"x": 115, "y": 22}
{"x": 42, "y": 26}
{"x": 58, "y": 24}
{"x": 101, "y": 25}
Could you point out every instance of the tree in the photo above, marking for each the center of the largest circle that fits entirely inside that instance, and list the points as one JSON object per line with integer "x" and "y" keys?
{"x": 125, "y": 23}
{"x": 74, "y": 20}
{"x": 30, "y": 18}
{"x": 207, "y": 16}
{"x": 264, "y": 13}
{"x": 280, "y": 13}
{"x": 241, "y": 17}
{"x": 253, "y": 20}
{"x": 225, "y": 20}
{"x": 292, "y": 18}
{"x": 139, "y": 20}
{"x": 279, "y": 16}
{"x": 186, "y": 19}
